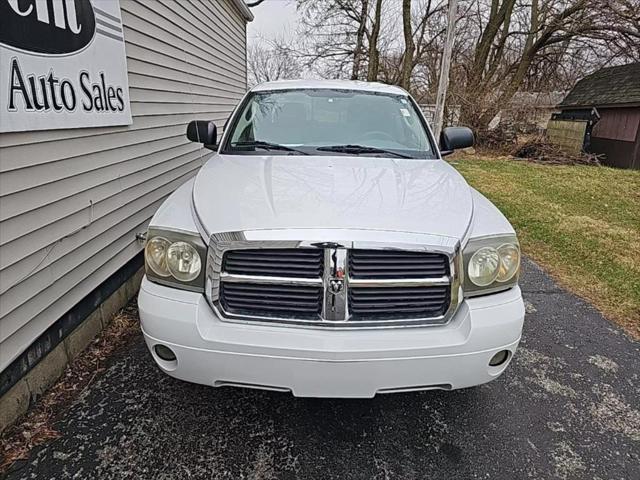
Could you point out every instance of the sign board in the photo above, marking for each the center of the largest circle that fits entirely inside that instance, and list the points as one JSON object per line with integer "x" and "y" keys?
{"x": 62, "y": 65}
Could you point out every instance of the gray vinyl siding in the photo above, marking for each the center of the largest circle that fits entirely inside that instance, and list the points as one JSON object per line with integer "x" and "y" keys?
{"x": 72, "y": 201}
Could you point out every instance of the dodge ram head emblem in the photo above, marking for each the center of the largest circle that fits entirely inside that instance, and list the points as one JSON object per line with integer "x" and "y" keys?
{"x": 336, "y": 285}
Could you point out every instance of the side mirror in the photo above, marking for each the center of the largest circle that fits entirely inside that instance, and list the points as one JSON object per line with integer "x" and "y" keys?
{"x": 455, "y": 138}
{"x": 202, "y": 131}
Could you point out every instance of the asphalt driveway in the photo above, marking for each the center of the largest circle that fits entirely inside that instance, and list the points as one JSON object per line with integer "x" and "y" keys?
{"x": 568, "y": 407}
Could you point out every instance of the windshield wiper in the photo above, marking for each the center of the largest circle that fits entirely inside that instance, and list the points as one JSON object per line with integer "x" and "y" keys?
{"x": 356, "y": 149}
{"x": 267, "y": 146}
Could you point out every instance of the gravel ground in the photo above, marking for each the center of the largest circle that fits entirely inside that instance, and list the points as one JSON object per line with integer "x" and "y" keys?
{"x": 567, "y": 407}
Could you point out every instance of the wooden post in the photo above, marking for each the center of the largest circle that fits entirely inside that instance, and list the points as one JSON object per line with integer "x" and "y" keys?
{"x": 443, "y": 83}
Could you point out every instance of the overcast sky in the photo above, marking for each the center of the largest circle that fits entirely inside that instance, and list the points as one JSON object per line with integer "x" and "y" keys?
{"x": 272, "y": 18}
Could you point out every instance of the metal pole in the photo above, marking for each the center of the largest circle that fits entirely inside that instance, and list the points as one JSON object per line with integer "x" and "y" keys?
{"x": 443, "y": 83}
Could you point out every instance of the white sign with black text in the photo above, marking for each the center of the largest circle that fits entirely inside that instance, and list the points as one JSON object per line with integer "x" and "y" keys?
{"x": 62, "y": 64}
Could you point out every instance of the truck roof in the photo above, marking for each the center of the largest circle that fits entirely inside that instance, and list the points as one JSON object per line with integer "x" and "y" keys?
{"x": 329, "y": 84}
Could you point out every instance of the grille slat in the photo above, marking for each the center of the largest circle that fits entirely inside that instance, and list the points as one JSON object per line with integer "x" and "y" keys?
{"x": 386, "y": 292}
{"x": 414, "y": 302}
{"x": 262, "y": 294}
{"x": 395, "y": 298}
{"x": 250, "y": 260}
{"x": 286, "y": 262}
{"x": 292, "y": 303}
{"x": 386, "y": 264}
{"x": 396, "y": 268}
{"x": 271, "y": 272}
{"x": 399, "y": 261}
{"x": 270, "y": 288}
{"x": 420, "y": 311}
{"x": 279, "y": 252}
{"x": 385, "y": 289}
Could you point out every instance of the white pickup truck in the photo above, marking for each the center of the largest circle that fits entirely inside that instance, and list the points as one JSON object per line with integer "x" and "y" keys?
{"x": 326, "y": 249}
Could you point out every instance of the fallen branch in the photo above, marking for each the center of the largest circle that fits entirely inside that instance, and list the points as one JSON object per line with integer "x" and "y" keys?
{"x": 542, "y": 151}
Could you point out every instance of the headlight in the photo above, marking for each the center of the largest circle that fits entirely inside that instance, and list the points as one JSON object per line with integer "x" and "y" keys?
{"x": 509, "y": 262}
{"x": 175, "y": 258}
{"x": 155, "y": 253}
{"x": 491, "y": 264}
{"x": 484, "y": 266}
{"x": 183, "y": 261}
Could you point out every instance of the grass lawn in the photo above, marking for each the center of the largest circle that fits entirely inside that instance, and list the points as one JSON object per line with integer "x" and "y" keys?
{"x": 581, "y": 223}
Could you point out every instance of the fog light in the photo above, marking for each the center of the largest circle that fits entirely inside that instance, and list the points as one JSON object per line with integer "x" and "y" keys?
{"x": 499, "y": 358}
{"x": 165, "y": 353}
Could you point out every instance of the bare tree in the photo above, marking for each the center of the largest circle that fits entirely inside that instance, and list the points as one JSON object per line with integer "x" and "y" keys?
{"x": 409, "y": 45}
{"x": 374, "y": 53}
{"x": 428, "y": 24}
{"x": 332, "y": 43}
{"x": 271, "y": 60}
{"x": 520, "y": 37}
{"x": 329, "y": 35}
{"x": 501, "y": 46}
{"x": 359, "y": 49}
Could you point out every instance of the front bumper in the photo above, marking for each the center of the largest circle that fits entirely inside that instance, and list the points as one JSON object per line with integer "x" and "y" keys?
{"x": 329, "y": 363}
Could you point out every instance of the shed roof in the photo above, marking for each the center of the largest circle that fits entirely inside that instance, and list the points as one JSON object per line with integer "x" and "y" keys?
{"x": 607, "y": 87}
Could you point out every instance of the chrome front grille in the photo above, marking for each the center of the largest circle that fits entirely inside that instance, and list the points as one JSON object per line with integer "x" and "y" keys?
{"x": 335, "y": 285}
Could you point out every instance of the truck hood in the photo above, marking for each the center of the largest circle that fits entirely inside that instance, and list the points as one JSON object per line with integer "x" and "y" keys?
{"x": 234, "y": 193}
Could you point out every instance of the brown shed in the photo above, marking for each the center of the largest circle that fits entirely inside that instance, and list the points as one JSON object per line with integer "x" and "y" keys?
{"x": 609, "y": 100}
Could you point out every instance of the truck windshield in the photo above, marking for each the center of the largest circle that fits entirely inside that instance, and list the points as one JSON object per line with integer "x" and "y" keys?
{"x": 329, "y": 122}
